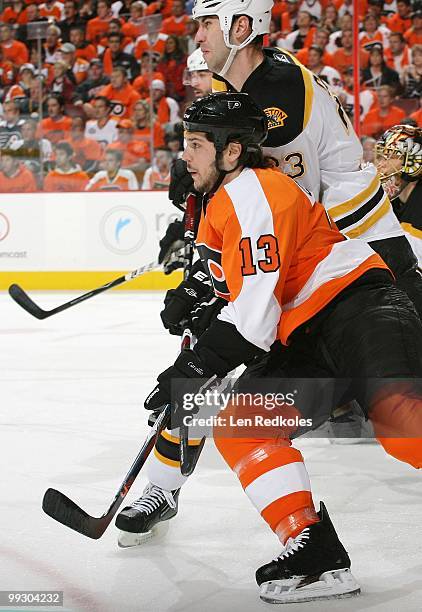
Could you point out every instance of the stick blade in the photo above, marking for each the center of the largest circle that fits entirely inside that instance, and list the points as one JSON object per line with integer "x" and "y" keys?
{"x": 22, "y": 298}
{"x": 65, "y": 511}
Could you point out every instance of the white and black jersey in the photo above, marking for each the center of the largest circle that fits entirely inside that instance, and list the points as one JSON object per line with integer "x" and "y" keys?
{"x": 10, "y": 133}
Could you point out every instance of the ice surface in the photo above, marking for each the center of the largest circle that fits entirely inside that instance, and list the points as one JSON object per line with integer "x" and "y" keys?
{"x": 72, "y": 389}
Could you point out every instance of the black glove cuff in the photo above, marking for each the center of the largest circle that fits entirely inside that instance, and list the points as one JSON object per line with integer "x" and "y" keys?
{"x": 222, "y": 343}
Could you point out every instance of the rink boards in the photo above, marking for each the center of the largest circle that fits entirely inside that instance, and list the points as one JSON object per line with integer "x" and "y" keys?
{"x": 75, "y": 241}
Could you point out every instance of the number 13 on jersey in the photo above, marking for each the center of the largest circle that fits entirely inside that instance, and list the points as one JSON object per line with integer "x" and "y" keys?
{"x": 267, "y": 258}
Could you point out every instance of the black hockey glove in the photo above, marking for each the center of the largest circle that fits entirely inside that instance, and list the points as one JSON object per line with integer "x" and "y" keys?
{"x": 220, "y": 350}
{"x": 171, "y": 247}
{"x": 181, "y": 184}
{"x": 182, "y": 381}
{"x": 204, "y": 313}
{"x": 179, "y": 302}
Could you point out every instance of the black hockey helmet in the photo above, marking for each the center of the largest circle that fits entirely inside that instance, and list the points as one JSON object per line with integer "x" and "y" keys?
{"x": 228, "y": 116}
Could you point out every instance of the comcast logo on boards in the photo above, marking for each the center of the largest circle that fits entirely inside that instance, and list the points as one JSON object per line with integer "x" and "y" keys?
{"x": 123, "y": 230}
{"x": 4, "y": 226}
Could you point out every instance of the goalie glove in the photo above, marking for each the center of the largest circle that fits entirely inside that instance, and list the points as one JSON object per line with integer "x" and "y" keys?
{"x": 179, "y": 302}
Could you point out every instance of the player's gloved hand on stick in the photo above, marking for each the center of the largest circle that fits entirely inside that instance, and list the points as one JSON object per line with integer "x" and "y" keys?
{"x": 181, "y": 184}
{"x": 189, "y": 375}
{"x": 221, "y": 349}
{"x": 171, "y": 247}
{"x": 204, "y": 312}
{"x": 179, "y": 302}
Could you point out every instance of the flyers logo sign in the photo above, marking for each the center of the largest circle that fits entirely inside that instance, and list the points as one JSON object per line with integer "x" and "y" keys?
{"x": 276, "y": 117}
{"x": 212, "y": 263}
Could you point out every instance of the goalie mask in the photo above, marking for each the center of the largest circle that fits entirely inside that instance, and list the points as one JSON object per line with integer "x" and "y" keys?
{"x": 398, "y": 158}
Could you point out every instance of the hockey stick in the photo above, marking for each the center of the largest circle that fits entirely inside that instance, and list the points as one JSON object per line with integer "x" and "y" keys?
{"x": 22, "y": 298}
{"x": 65, "y": 511}
{"x": 187, "y": 466}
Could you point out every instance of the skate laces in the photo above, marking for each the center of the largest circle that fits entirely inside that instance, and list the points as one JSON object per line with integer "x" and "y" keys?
{"x": 152, "y": 498}
{"x": 294, "y": 544}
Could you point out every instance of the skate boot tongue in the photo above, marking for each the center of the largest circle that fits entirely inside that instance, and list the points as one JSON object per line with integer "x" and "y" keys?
{"x": 294, "y": 544}
{"x": 152, "y": 498}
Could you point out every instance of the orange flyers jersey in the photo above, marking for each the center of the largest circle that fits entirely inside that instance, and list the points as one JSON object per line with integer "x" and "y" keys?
{"x": 125, "y": 180}
{"x": 56, "y": 11}
{"x": 16, "y": 52}
{"x": 142, "y": 45}
{"x": 122, "y": 100}
{"x": 266, "y": 243}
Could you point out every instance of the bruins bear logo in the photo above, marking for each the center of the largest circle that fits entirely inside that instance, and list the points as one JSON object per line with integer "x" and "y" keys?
{"x": 276, "y": 117}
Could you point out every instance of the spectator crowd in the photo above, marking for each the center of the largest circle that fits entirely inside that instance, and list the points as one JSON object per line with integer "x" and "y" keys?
{"x": 92, "y": 92}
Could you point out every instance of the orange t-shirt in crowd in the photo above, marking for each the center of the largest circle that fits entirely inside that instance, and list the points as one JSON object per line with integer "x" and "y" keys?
{"x": 56, "y": 11}
{"x": 142, "y": 45}
{"x": 341, "y": 60}
{"x": 96, "y": 28}
{"x": 163, "y": 111}
{"x": 9, "y": 15}
{"x": 154, "y": 8}
{"x": 123, "y": 100}
{"x": 145, "y": 133}
{"x": 132, "y": 152}
{"x": 303, "y": 55}
{"x": 16, "y": 52}
{"x": 21, "y": 182}
{"x": 398, "y": 24}
{"x": 142, "y": 83}
{"x": 417, "y": 116}
{"x": 76, "y": 180}
{"x": 54, "y": 130}
{"x": 287, "y": 23}
{"x": 85, "y": 149}
{"x": 278, "y": 9}
{"x": 374, "y": 124}
{"x": 412, "y": 38}
{"x": 405, "y": 60}
{"x": 87, "y": 53}
{"x": 175, "y": 25}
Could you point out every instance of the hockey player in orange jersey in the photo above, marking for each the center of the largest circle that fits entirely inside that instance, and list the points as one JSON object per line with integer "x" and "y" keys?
{"x": 302, "y": 294}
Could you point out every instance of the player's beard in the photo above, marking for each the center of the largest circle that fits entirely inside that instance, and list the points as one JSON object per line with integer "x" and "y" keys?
{"x": 206, "y": 184}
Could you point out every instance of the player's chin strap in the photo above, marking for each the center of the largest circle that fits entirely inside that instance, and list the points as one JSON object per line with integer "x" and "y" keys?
{"x": 224, "y": 173}
{"x": 229, "y": 61}
{"x": 234, "y": 48}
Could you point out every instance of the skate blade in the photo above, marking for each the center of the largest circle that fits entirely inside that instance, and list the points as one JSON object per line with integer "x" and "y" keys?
{"x": 336, "y": 584}
{"x": 128, "y": 540}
